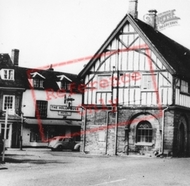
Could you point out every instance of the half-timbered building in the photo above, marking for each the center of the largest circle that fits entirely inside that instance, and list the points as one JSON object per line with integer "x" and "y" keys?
{"x": 137, "y": 92}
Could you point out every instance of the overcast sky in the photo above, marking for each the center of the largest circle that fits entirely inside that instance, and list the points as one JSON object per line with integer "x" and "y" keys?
{"x": 54, "y": 31}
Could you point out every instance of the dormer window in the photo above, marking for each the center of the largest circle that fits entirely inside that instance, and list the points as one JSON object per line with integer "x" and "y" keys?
{"x": 38, "y": 80}
{"x": 65, "y": 85}
{"x": 64, "y": 82}
{"x": 38, "y": 83}
{"x": 7, "y": 74}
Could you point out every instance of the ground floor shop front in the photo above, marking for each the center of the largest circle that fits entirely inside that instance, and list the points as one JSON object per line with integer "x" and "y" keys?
{"x": 39, "y": 134}
{"x": 13, "y": 128}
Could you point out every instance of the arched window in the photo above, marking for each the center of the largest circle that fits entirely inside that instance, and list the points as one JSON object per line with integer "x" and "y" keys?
{"x": 144, "y": 132}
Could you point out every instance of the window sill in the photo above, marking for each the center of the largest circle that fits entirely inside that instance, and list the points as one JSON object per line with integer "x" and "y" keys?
{"x": 144, "y": 144}
{"x": 7, "y": 79}
{"x": 185, "y": 93}
{"x": 149, "y": 90}
{"x": 105, "y": 90}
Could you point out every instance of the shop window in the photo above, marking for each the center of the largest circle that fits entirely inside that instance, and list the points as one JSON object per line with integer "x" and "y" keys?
{"x": 8, "y": 102}
{"x": 35, "y": 136}
{"x": 41, "y": 109}
{"x": 144, "y": 132}
{"x": 48, "y": 132}
{"x": 76, "y": 133}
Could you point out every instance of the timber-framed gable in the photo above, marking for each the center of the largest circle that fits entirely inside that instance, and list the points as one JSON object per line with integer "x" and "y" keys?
{"x": 137, "y": 71}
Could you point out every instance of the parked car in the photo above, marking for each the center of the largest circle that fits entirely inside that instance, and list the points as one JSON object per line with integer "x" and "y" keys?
{"x": 59, "y": 143}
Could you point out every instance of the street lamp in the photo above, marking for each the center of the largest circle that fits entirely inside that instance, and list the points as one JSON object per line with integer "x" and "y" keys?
{"x": 69, "y": 102}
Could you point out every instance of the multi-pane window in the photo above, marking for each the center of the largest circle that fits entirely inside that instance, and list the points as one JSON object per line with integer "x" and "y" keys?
{"x": 48, "y": 132}
{"x": 41, "y": 109}
{"x": 185, "y": 86}
{"x": 8, "y": 102}
{"x": 144, "y": 132}
{"x": 38, "y": 83}
{"x": 104, "y": 82}
{"x": 148, "y": 81}
{"x": 7, "y": 74}
{"x": 65, "y": 85}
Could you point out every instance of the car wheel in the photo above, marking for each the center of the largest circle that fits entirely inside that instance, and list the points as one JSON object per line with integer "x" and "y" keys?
{"x": 78, "y": 149}
{"x": 60, "y": 148}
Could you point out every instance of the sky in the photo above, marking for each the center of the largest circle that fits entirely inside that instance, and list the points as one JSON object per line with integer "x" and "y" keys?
{"x": 56, "y": 31}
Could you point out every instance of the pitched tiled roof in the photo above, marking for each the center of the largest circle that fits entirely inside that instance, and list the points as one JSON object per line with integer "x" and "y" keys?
{"x": 175, "y": 55}
{"x": 51, "y": 77}
{"x": 20, "y": 77}
{"x": 5, "y": 60}
{"x": 22, "y": 74}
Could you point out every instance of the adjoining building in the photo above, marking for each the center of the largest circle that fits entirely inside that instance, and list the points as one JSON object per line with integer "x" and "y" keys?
{"x": 51, "y": 107}
{"x": 136, "y": 92}
{"x": 42, "y": 103}
{"x": 12, "y": 86}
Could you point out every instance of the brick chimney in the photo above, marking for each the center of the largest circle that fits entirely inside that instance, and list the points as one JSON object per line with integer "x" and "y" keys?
{"x": 151, "y": 18}
{"x": 15, "y": 56}
{"x": 132, "y": 10}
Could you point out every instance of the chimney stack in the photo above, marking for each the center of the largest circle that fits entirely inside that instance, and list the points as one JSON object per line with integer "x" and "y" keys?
{"x": 153, "y": 16}
{"x": 15, "y": 56}
{"x": 133, "y": 8}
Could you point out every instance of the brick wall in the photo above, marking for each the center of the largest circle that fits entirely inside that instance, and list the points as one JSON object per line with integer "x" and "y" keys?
{"x": 100, "y": 127}
{"x": 168, "y": 130}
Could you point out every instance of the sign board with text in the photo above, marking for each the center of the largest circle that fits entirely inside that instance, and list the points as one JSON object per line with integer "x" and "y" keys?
{"x": 72, "y": 112}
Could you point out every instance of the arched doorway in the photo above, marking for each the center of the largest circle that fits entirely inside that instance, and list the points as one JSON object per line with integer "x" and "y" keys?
{"x": 182, "y": 137}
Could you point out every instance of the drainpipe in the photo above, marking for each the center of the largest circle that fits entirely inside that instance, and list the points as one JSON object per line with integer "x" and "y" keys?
{"x": 84, "y": 130}
{"x": 163, "y": 126}
{"x": 116, "y": 131}
{"x": 107, "y": 123}
{"x": 117, "y": 114}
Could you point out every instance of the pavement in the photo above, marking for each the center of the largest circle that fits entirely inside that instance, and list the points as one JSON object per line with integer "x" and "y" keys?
{"x": 27, "y": 155}
{"x": 15, "y": 156}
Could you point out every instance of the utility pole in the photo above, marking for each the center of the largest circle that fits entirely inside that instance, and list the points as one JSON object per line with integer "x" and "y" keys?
{"x": 21, "y": 130}
{"x": 5, "y": 135}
